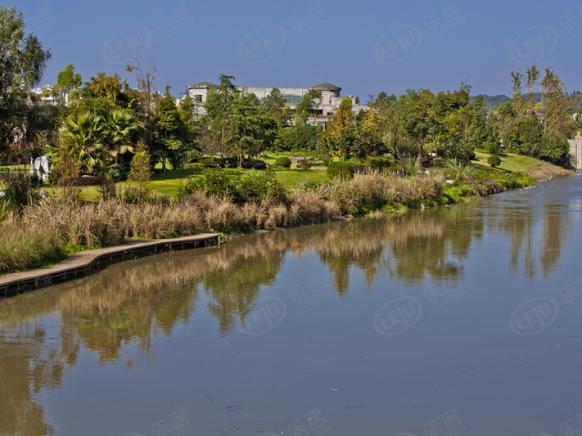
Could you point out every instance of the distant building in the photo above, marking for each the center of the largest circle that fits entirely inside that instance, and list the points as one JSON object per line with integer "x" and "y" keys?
{"x": 329, "y": 103}
{"x": 45, "y": 95}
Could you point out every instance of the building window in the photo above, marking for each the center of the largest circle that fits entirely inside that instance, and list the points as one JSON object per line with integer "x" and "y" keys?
{"x": 292, "y": 99}
{"x": 198, "y": 98}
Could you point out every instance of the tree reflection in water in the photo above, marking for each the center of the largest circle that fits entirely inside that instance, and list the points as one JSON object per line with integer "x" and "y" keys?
{"x": 133, "y": 301}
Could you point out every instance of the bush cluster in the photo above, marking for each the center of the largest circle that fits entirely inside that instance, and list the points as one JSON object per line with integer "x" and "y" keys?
{"x": 236, "y": 186}
{"x": 494, "y": 161}
{"x": 340, "y": 169}
{"x": 283, "y": 162}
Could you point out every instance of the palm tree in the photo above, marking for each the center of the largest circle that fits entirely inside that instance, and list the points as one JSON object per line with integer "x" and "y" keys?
{"x": 84, "y": 132}
{"x": 120, "y": 125}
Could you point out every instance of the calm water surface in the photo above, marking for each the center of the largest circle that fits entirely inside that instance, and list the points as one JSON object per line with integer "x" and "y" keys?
{"x": 458, "y": 321}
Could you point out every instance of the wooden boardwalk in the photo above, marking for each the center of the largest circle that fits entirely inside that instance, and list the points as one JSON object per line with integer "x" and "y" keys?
{"x": 89, "y": 262}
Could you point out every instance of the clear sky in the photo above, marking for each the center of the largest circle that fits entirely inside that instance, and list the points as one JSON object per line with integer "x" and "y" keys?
{"x": 365, "y": 46}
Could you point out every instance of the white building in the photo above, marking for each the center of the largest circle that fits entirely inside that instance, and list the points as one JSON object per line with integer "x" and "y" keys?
{"x": 328, "y": 105}
{"x": 45, "y": 94}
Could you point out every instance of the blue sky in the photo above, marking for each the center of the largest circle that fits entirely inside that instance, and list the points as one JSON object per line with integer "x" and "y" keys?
{"x": 364, "y": 46}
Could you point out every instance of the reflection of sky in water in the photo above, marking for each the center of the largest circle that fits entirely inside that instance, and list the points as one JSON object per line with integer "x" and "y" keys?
{"x": 576, "y": 204}
{"x": 375, "y": 327}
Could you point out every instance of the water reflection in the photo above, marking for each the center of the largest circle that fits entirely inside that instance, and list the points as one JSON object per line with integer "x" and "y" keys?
{"x": 42, "y": 334}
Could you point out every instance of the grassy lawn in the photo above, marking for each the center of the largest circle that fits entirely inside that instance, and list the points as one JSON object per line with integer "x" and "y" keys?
{"x": 522, "y": 164}
{"x": 168, "y": 184}
{"x": 293, "y": 178}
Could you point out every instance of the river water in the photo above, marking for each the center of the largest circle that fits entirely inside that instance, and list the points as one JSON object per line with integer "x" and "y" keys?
{"x": 454, "y": 321}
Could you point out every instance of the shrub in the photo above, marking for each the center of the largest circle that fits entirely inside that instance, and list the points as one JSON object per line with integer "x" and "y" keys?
{"x": 494, "y": 161}
{"x": 456, "y": 170}
{"x": 219, "y": 183}
{"x": 303, "y": 164}
{"x": 18, "y": 190}
{"x": 135, "y": 195}
{"x": 256, "y": 187}
{"x": 491, "y": 147}
{"x": 259, "y": 165}
{"x": 377, "y": 163}
{"x": 254, "y": 164}
{"x": 340, "y": 169}
{"x": 283, "y": 162}
{"x": 410, "y": 167}
{"x": 236, "y": 186}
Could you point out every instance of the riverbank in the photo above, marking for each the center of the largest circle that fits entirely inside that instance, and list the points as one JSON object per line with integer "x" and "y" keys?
{"x": 53, "y": 229}
{"x": 89, "y": 262}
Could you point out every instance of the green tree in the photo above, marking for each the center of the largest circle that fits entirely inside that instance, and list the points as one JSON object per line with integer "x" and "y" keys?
{"x": 558, "y": 120}
{"x": 140, "y": 171}
{"x": 191, "y": 127}
{"x": 108, "y": 87}
{"x": 248, "y": 129}
{"x": 218, "y": 106}
{"x": 368, "y": 135}
{"x": 22, "y": 63}
{"x": 480, "y": 134}
{"x": 306, "y": 107}
{"x": 300, "y": 136}
{"x": 276, "y": 107}
{"x": 170, "y": 132}
{"x": 83, "y": 132}
{"x": 339, "y": 138}
{"x": 389, "y": 122}
{"x": 120, "y": 127}
{"x": 67, "y": 82}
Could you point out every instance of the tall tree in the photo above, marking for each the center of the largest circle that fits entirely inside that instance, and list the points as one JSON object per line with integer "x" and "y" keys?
{"x": 67, "y": 82}
{"x": 369, "y": 137}
{"x": 108, "y": 87}
{"x": 339, "y": 137}
{"x": 219, "y": 105}
{"x": 307, "y": 105}
{"x": 558, "y": 120}
{"x": 170, "y": 132}
{"x": 22, "y": 63}
{"x": 248, "y": 129}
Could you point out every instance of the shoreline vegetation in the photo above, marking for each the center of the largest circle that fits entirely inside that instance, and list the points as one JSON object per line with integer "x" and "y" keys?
{"x": 54, "y": 228}
{"x": 116, "y": 158}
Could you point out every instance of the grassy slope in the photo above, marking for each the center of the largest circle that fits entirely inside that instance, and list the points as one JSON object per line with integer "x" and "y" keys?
{"x": 510, "y": 162}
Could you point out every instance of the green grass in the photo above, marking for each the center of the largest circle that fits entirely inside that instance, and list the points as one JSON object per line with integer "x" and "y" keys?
{"x": 293, "y": 178}
{"x": 520, "y": 164}
{"x": 168, "y": 184}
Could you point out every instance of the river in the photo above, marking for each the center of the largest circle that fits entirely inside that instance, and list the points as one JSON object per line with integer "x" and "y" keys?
{"x": 454, "y": 321}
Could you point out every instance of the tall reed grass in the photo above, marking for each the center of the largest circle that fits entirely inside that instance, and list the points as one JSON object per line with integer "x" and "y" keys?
{"x": 52, "y": 228}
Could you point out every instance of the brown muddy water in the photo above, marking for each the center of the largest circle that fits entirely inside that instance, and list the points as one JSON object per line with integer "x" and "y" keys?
{"x": 457, "y": 321}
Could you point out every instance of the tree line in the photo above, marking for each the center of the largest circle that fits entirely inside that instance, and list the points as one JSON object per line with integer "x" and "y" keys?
{"x": 98, "y": 125}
